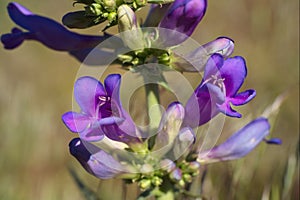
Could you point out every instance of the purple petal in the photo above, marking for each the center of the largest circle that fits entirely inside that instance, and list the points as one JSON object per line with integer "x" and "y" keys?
{"x": 239, "y": 144}
{"x": 13, "y": 39}
{"x": 93, "y": 133}
{"x": 104, "y": 166}
{"x": 87, "y": 91}
{"x": 214, "y": 63}
{"x": 201, "y": 107}
{"x": 234, "y": 72}
{"x": 276, "y": 141}
{"x": 226, "y": 109}
{"x": 112, "y": 85}
{"x": 243, "y": 97}
{"x": 76, "y": 122}
{"x": 221, "y": 45}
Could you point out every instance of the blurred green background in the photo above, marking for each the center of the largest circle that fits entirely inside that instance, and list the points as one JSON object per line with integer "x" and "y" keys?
{"x": 36, "y": 89}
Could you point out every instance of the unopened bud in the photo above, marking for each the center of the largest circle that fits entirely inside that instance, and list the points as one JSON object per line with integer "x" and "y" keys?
{"x": 129, "y": 29}
{"x": 176, "y": 175}
{"x": 145, "y": 184}
{"x": 156, "y": 181}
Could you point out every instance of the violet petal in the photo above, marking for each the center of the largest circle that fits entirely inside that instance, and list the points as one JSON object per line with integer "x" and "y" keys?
{"x": 87, "y": 91}
{"x": 76, "y": 122}
{"x": 239, "y": 144}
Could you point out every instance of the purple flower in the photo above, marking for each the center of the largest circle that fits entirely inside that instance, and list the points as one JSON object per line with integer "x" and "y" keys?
{"x": 183, "y": 17}
{"x": 239, "y": 144}
{"x": 218, "y": 89}
{"x": 101, "y": 111}
{"x": 96, "y": 161}
{"x": 45, "y": 30}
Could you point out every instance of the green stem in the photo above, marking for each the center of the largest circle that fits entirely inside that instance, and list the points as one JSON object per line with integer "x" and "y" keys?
{"x": 153, "y": 105}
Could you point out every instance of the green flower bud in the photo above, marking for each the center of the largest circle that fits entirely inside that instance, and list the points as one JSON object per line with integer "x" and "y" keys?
{"x": 187, "y": 178}
{"x": 109, "y": 5}
{"x": 156, "y": 181}
{"x": 141, "y": 3}
{"x": 145, "y": 184}
{"x": 129, "y": 29}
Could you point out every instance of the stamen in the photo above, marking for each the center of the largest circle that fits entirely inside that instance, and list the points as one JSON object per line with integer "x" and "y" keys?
{"x": 216, "y": 81}
{"x": 103, "y": 101}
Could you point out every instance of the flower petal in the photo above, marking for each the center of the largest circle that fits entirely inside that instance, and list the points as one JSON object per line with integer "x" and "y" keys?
{"x": 112, "y": 85}
{"x": 226, "y": 109}
{"x": 243, "y": 97}
{"x": 169, "y": 127}
{"x": 76, "y": 122}
{"x": 239, "y": 144}
{"x": 87, "y": 91}
{"x": 213, "y": 66}
{"x": 13, "y": 39}
{"x": 183, "y": 142}
{"x": 201, "y": 107}
{"x": 234, "y": 72}
{"x": 93, "y": 133}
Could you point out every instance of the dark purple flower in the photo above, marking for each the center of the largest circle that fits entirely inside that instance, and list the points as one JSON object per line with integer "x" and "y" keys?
{"x": 218, "y": 89}
{"x": 101, "y": 111}
{"x": 183, "y": 16}
{"x": 239, "y": 144}
{"x": 96, "y": 161}
{"x": 45, "y": 30}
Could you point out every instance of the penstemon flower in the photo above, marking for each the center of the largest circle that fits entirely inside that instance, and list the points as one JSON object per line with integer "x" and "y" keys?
{"x": 221, "y": 81}
{"x": 101, "y": 111}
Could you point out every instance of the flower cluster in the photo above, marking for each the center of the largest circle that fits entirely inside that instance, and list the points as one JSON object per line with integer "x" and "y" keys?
{"x": 109, "y": 143}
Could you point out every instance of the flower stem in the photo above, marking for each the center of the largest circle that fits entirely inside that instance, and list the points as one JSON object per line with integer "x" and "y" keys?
{"x": 153, "y": 105}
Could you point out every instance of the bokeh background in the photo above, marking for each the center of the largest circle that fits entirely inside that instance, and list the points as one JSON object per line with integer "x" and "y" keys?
{"x": 36, "y": 86}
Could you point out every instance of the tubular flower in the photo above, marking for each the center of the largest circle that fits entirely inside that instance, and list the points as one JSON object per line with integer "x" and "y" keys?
{"x": 183, "y": 16}
{"x": 218, "y": 89}
{"x": 96, "y": 161}
{"x": 239, "y": 144}
{"x": 196, "y": 60}
{"x": 47, "y": 31}
{"x": 101, "y": 111}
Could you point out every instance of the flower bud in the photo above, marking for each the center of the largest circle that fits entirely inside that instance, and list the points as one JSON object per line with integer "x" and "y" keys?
{"x": 156, "y": 181}
{"x": 182, "y": 17}
{"x": 109, "y": 5}
{"x": 169, "y": 128}
{"x": 129, "y": 29}
{"x": 145, "y": 184}
{"x": 167, "y": 164}
{"x": 176, "y": 175}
